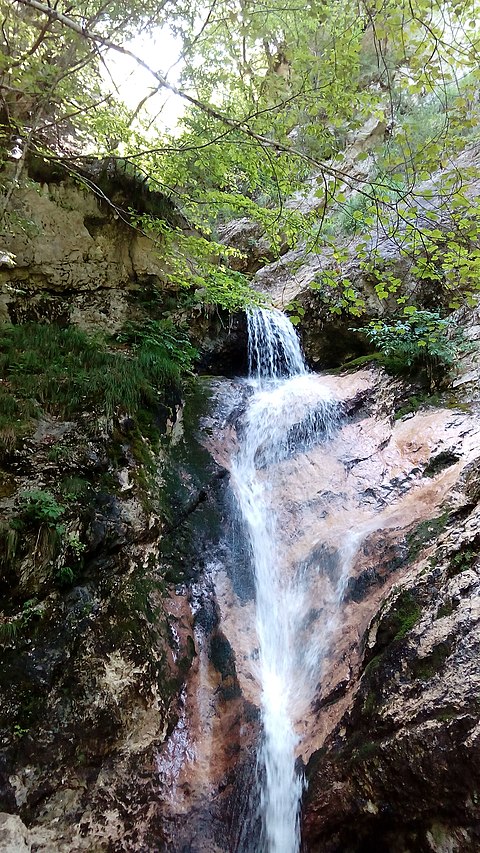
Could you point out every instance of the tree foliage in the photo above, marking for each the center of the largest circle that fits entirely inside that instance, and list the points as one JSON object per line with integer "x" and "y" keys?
{"x": 274, "y": 92}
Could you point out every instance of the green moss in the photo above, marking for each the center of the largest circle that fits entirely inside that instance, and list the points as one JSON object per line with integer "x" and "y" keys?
{"x": 441, "y": 837}
{"x": 398, "y": 621}
{"x": 365, "y": 751}
{"x": 426, "y": 532}
{"x": 426, "y": 668}
{"x": 407, "y": 615}
{"x": 373, "y": 665}
{"x": 370, "y": 703}
{"x": 355, "y": 363}
{"x": 141, "y": 601}
{"x": 415, "y": 402}
{"x": 445, "y": 609}
{"x": 449, "y": 712}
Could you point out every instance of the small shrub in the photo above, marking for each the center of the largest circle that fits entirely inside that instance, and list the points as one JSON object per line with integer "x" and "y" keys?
{"x": 65, "y": 576}
{"x": 359, "y": 213}
{"x": 41, "y": 506}
{"x": 8, "y": 631}
{"x": 58, "y": 453}
{"x": 75, "y": 544}
{"x": 463, "y": 560}
{"x": 417, "y": 339}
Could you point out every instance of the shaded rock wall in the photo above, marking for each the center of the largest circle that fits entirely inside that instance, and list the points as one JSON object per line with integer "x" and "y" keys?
{"x": 93, "y": 664}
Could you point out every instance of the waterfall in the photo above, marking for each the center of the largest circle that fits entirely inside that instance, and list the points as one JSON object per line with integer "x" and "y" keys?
{"x": 289, "y": 408}
{"x": 273, "y": 346}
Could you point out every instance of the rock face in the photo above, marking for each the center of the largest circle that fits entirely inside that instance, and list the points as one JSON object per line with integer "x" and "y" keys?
{"x": 13, "y": 835}
{"x": 402, "y": 707}
{"x": 73, "y": 260}
{"x": 70, "y": 257}
{"x": 94, "y": 660}
{"x": 131, "y": 702}
{"x": 395, "y": 700}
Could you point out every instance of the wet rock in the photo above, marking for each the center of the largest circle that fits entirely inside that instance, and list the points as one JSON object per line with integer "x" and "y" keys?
{"x": 94, "y": 666}
{"x": 402, "y": 761}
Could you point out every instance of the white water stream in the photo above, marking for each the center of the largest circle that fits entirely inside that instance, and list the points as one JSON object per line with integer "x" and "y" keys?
{"x": 289, "y": 410}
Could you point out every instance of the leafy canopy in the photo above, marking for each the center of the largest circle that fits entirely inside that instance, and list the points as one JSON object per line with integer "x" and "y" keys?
{"x": 274, "y": 92}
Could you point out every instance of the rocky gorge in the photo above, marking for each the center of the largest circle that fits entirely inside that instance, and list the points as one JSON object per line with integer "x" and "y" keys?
{"x": 131, "y": 705}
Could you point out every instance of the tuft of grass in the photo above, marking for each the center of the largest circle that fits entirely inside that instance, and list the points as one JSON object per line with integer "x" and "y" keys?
{"x": 15, "y": 415}
{"x": 64, "y": 372}
{"x": 74, "y": 488}
{"x": 10, "y": 544}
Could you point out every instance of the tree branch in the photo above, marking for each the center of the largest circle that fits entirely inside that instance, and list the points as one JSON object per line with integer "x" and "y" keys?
{"x": 206, "y": 108}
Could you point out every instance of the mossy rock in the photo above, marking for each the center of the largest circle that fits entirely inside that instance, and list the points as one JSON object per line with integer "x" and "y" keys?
{"x": 426, "y": 532}
{"x": 427, "y": 667}
{"x": 398, "y": 620}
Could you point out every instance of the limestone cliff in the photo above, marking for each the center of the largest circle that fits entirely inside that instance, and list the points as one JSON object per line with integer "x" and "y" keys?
{"x": 70, "y": 255}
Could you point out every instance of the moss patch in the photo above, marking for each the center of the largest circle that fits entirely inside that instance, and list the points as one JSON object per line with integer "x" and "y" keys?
{"x": 425, "y": 533}
{"x": 429, "y": 666}
{"x": 366, "y": 751}
{"x": 400, "y": 619}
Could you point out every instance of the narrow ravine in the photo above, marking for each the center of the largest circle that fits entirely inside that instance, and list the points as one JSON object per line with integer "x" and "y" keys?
{"x": 289, "y": 410}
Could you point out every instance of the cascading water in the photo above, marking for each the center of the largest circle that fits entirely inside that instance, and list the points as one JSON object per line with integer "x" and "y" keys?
{"x": 289, "y": 409}
{"x": 273, "y": 346}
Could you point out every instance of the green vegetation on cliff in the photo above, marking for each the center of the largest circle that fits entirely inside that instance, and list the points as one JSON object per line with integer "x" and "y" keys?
{"x": 361, "y": 102}
{"x": 65, "y": 372}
